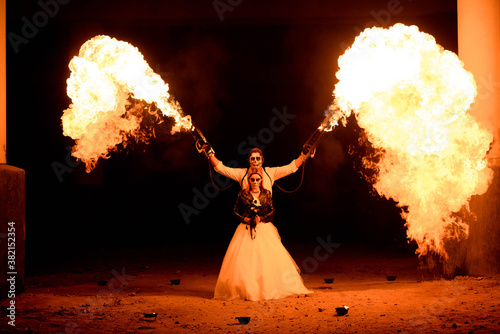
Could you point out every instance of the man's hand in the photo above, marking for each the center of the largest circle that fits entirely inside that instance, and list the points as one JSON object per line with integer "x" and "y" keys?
{"x": 307, "y": 153}
{"x": 207, "y": 150}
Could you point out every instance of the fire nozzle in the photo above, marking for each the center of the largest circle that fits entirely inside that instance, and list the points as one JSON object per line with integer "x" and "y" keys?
{"x": 201, "y": 143}
{"x": 309, "y": 148}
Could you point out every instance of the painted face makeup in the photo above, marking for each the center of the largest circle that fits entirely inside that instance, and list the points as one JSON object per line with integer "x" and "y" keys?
{"x": 255, "y": 160}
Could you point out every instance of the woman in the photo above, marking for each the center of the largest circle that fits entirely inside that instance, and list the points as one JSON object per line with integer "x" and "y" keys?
{"x": 256, "y": 265}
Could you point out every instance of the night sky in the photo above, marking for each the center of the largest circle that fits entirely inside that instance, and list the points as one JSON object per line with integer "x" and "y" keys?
{"x": 233, "y": 76}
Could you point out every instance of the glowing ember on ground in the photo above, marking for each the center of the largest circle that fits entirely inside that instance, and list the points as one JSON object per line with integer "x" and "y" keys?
{"x": 411, "y": 97}
{"x": 104, "y": 75}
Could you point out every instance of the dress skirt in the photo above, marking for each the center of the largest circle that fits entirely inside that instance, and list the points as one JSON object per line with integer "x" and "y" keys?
{"x": 259, "y": 268}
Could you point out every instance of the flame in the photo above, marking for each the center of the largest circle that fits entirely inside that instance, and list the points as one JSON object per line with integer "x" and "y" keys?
{"x": 411, "y": 97}
{"x": 104, "y": 76}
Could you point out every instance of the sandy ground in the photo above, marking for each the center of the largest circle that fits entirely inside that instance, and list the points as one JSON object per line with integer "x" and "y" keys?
{"x": 63, "y": 296}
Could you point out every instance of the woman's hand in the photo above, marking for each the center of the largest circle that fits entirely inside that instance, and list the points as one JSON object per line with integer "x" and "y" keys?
{"x": 257, "y": 219}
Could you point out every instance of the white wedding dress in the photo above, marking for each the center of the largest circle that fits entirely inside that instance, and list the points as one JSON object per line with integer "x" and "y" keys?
{"x": 259, "y": 268}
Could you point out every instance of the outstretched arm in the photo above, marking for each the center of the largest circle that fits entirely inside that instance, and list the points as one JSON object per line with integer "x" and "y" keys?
{"x": 277, "y": 173}
{"x": 299, "y": 161}
{"x": 213, "y": 160}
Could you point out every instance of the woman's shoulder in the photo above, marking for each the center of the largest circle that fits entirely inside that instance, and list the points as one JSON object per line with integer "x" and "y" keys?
{"x": 266, "y": 194}
{"x": 243, "y": 194}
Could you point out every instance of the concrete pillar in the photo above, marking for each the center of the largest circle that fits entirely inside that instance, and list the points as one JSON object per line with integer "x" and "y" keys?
{"x": 12, "y": 233}
{"x": 12, "y": 190}
{"x": 478, "y": 48}
{"x": 3, "y": 84}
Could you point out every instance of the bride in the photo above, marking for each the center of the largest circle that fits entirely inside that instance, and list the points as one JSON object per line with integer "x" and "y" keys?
{"x": 256, "y": 265}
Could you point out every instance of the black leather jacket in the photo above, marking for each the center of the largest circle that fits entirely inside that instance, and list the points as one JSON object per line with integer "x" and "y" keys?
{"x": 246, "y": 206}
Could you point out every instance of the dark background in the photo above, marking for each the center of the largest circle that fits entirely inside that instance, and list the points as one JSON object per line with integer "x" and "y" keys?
{"x": 228, "y": 75}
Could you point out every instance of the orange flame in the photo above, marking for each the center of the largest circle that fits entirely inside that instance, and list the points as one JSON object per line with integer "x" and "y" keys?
{"x": 411, "y": 96}
{"x": 104, "y": 75}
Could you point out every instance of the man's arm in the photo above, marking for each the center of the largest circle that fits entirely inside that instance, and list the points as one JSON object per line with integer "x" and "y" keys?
{"x": 235, "y": 174}
{"x": 299, "y": 161}
{"x": 213, "y": 160}
{"x": 278, "y": 172}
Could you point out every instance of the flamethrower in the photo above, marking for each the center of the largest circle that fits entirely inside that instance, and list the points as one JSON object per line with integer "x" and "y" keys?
{"x": 201, "y": 143}
{"x": 309, "y": 148}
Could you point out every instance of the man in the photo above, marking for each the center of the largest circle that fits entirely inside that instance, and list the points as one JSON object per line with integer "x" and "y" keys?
{"x": 256, "y": 159}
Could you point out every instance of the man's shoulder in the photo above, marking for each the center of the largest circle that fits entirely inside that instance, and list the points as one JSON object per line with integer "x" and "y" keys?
{"x": 267, "y": 168}
{"x": 230, "y": 165}
{"x": 230, "y": 171}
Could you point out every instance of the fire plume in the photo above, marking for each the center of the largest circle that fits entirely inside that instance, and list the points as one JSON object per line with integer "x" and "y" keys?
{"x": 411, "y": 98}
{"x": 105, "y": 75}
